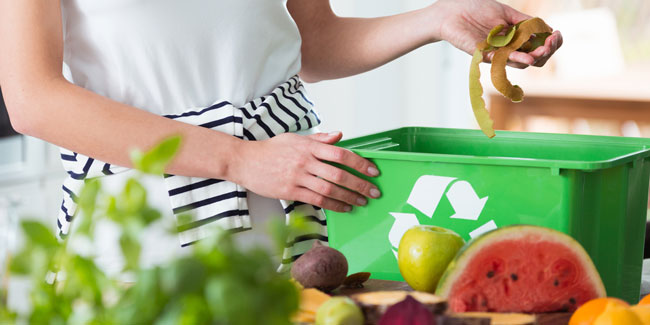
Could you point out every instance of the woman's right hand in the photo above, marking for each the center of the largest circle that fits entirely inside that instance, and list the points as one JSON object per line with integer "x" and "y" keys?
{"x": 293, "y": 167}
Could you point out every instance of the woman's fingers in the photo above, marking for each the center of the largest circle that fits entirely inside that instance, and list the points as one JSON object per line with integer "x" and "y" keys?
{"x": 514, "y": 16}
{"x": 341, "y": 177}
{"x": 333, "y": 191}
{"x": 327, "y": 138}
{"x": 538, "y": 57}
{"x": 310, "y": 197}
{"x": 296, "y": 168}
{"x": 345, "y": 157}
{"x": 515, "y": 60}
{"x": 551, "y": 45}
{"x": 521, "y": 58}
{"x": 333, "y": 183}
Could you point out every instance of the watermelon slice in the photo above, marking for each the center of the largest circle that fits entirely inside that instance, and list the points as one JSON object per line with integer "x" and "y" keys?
{"x": 525, "y": 269}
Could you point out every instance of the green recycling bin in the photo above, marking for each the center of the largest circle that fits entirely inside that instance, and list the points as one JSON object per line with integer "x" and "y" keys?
{"x": 594, "y": 188}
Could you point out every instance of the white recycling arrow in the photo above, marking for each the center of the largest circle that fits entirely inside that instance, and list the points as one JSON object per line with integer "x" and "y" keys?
{"x": 483, "y": 229}
{"x": 425, "y": 197}
{"x": 427, "y": 192}
{"x": 403, "y": 222}
{"x": 465, "y": 202}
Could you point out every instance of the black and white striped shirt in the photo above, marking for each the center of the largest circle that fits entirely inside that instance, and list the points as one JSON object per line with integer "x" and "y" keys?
{"x": 214, "y": 203}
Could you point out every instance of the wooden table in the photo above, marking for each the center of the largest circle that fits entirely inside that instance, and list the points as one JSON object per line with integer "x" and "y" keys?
{"x": 513, "y": 116}
{"x": 618, "y": 98}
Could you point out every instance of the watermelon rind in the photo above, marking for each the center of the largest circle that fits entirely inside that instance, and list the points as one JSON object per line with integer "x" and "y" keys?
{"x": 457, "y": 267}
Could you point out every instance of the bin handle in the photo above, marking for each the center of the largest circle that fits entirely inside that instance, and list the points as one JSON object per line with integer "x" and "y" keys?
{"x": 375, "y": 144}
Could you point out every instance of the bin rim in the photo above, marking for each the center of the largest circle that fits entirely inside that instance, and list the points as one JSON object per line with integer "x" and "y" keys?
{"x": 630, "y": 157}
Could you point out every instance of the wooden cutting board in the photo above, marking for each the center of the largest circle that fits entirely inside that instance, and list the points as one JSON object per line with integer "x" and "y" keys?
{"x": 384, "y": 285}
{"x": 373, "y": 285}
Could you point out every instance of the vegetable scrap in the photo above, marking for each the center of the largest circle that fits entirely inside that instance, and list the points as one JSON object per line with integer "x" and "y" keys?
{"x": 525, "y": 36}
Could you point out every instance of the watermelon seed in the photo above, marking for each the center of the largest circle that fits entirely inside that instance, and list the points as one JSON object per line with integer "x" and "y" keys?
{"x": 572, "y": 300}
{"x": 490, "y": 274}
{"x": 556, "y": 282}
{"x": 514, "y": 277}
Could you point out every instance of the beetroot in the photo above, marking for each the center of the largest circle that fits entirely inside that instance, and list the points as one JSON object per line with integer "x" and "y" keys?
{"x": 321, "y": 267}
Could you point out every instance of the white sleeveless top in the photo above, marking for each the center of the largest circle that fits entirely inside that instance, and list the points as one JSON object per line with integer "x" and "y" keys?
{"x": 165, "y": 56}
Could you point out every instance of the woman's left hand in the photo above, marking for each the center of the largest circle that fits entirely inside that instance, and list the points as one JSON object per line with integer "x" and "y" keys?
{"x": 468, "y": 22}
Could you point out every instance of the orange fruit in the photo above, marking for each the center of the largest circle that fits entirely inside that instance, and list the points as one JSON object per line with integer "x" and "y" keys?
{"x": 643, "y": 311}
{"x": 615, "y": 314}
{"x": 645, "y": 300}
{"x": 589, "y": 311}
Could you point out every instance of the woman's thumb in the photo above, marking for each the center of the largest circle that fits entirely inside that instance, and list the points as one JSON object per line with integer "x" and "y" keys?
{"x": 328, "y": 138}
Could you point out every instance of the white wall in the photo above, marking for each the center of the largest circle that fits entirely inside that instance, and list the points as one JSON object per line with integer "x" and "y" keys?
{"x": 427, "y": 87}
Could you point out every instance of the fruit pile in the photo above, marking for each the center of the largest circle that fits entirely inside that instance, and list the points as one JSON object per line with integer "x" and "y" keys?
{"x": 511, "y": 275}
{"x": 323, "y": 269}
{"x": 606, "y": 311}
{"x": 527, "y": 269}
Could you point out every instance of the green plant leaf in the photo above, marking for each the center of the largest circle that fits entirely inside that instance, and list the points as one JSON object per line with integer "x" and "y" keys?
{"x": 88, "y": 196}
{"x": 155, "y": 160}
{"x": 183, "y": 276}
{"x": 87, "y": 203}
{"x": 279, "y": 232}
{"x": 38, "y": 234}
{"x": 183, "y": 291}
{"x": 131, "y": 251}
{"x": 7, "y": 316}
{"x": 133, "y": 198}
{"x": 111, "y": 210}
{"x": 143, "y": 302}
{"x": 89, "y": 278}
{"x": 149, "y": 215}
{"x": 20, "y": 264}
{"x": 184, "y": 218}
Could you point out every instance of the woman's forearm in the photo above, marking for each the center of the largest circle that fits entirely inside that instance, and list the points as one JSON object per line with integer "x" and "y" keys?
{"x": 335, "y": 47}
{"x": 41, "y": 103}
{"x": 82, "y": 121}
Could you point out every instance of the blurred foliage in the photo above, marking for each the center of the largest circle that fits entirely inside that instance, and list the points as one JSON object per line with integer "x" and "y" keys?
{"x": 218, "y": 283}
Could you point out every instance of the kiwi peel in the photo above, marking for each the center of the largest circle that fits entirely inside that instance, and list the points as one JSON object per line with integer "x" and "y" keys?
{"x": 525, "y": 36}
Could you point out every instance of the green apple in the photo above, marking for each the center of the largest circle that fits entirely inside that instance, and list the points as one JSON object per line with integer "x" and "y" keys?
{"x": 339, "y": 311}
{"x": 424, "y": 253}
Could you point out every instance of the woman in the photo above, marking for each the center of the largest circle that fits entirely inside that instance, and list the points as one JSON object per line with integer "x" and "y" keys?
{"x": 218, "y": 73}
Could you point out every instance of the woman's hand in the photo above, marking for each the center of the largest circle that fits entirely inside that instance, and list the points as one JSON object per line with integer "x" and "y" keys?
{"x": 293, "y": 167}
{"x": 464, "y": 23}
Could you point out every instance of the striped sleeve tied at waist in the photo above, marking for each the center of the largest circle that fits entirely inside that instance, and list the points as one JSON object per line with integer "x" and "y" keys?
{"x": 214, "y": 203}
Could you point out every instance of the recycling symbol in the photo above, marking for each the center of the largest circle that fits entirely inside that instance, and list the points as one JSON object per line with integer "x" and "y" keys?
{"x": 425, "y": 197}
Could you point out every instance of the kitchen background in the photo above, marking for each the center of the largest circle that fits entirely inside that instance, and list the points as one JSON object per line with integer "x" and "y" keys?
{"x": 597, "y": 84}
